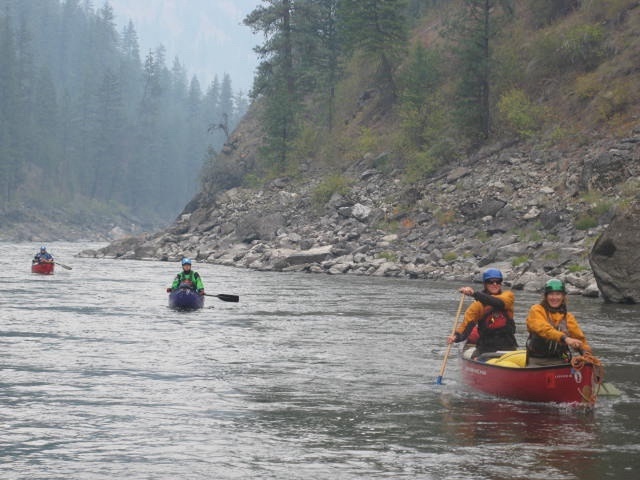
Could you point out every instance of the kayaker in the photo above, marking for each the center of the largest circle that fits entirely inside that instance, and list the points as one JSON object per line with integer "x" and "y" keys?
{"x": 187, "y": 278}
{"x": 552, "y": 329}
{"x": 43, "y": 256}
{"x": 492, "y": 313}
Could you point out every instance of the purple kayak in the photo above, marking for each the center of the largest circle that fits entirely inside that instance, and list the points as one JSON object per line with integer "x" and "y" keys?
{"x": 185, "y": 299}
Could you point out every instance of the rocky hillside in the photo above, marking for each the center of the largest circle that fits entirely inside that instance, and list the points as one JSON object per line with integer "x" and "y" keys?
{"x": 533, "y": 208}
{"x": 532, "y": 213}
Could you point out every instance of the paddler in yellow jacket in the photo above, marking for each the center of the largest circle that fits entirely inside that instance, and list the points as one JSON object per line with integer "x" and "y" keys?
{"x": 492, "y": 312}
{"x": 552, "y": 329}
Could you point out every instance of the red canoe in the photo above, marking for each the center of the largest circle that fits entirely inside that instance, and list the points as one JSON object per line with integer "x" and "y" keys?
{"x": 577, "y": 382}
{"x": 43, "y": 268}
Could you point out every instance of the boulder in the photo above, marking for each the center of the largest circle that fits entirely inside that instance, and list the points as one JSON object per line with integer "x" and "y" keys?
{"x": 615, "y": 258}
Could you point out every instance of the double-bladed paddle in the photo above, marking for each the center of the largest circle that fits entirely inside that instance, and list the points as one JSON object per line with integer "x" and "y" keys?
{"x": 446, "y": 355}
{"x": 224, "y": 297}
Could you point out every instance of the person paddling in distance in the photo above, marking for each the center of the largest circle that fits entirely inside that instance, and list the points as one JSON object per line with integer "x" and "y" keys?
{"x": 43, "y": 256}
{"x": 492, "y": 313}
{"x": 553, "y": 329}
{"x": 187, "y": 278}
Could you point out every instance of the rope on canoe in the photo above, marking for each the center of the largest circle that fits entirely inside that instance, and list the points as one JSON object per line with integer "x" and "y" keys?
{"x": 578, "y": 362}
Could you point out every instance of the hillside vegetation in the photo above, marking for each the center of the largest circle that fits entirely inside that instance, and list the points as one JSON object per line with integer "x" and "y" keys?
{"x": 549, "y": 73}
{"x": 397, "y": 181}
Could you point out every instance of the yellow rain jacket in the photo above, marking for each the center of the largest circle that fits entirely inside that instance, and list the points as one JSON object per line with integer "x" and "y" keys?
{"x": 547, "y": 325}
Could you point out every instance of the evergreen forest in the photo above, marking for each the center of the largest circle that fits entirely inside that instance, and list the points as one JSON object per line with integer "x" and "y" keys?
{"x": 421, "y": 84}
{"x": 88, "y": 122}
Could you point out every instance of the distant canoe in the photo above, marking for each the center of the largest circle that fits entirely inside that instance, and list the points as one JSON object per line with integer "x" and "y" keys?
{"x": 185, "y": 299}
{"x": 507, "y": 377}
{"x": 43, "y": 268}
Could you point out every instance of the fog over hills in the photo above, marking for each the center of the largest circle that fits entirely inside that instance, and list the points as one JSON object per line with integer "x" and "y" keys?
{"x": 206, "y": 35}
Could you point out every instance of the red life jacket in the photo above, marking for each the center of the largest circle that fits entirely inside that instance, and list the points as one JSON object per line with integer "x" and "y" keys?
{"x": 493, "y": 319}
{"x": 474, "y": 336}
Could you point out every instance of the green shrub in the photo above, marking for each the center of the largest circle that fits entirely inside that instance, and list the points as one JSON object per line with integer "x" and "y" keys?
{"x": 517, "y": 261}
{"x": 419, "y": 166}
{"x": 518, "y": 114}
{"x": 327, "y": 187}
{"x": 615, "y": 100}
{"x": 388, "y": 256}
{"x": 450, "y": 256}
{"x": 581, "y": 47}
{"x": 575, "y": 268}
{"x": 482, "y": 236}
{"x": 588, "y": 86}
{"x": 251, "y": 180}
{"x": 585, "y": 222}
{"x": 306, "y": 142}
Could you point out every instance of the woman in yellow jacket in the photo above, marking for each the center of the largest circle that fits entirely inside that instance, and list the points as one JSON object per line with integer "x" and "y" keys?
{"x": 552, "y": 329}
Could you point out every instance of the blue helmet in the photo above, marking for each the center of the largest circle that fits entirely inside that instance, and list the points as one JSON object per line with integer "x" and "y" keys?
{"x": 491, "y": 273}
{"x": 186, "y": 261}
{"x": 43, "y": 248}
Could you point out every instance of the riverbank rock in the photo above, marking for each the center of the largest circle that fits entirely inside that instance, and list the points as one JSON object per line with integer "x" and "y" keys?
{"x": 615, "y": 258}
{"x": 534, "y": 214}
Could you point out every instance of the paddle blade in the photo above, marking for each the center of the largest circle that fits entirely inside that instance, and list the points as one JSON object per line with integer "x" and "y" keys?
{"x": 63, "y": 265}
{"x": 439, "y": 380}
{"x": 609, "y": 390}
{"x": 228, "y": 298}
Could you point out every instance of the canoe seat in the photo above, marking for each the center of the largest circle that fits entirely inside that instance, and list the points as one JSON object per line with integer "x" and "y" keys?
{"x": 485, "y": 357}
{"x": 468, "y": 352}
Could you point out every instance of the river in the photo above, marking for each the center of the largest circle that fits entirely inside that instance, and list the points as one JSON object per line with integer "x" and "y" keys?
{"x": 307, "y": 377}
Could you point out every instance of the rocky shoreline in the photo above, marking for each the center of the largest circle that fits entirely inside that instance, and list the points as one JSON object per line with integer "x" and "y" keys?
{"x": 21, "y": 223}
{"x": 535, "y": 214}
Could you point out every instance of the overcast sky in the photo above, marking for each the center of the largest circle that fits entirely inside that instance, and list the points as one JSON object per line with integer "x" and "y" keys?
{"x": 206, "y": 35}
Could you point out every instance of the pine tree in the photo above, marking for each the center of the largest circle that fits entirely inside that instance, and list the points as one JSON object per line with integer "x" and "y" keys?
{"x": 378, "y": 30}
{"x": 275, "y": 80}
{"x": 472, "y": 31}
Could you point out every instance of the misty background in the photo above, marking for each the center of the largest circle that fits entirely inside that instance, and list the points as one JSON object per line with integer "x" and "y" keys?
{"x": 100, "y": 120}
{"x": 207, "y": 35}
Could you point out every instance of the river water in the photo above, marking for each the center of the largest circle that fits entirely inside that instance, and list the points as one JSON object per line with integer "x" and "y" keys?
{"x": 307, "y": 377}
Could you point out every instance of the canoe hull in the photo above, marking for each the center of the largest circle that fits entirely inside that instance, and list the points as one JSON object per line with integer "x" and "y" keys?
{"x": 185, "y": 299}
{"x": 42, "y": 268}
{"x": 555, "y": 383}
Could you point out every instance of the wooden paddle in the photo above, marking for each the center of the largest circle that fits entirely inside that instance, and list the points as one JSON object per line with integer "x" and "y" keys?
{"x": 63, "y": 265}
{"x": 446, "y": 355}
{"x": 224, "y": 297}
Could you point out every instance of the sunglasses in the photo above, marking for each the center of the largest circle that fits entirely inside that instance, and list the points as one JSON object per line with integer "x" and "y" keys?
{"x": 493, "y": 282}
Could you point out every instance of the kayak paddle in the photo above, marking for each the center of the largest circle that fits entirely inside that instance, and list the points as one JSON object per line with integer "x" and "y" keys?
{"x": 224, "y": 297}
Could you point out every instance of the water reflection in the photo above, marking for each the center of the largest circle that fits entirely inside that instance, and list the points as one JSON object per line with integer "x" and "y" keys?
{"x": 524, "y": 439}
{"x": 496, "y": 421}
